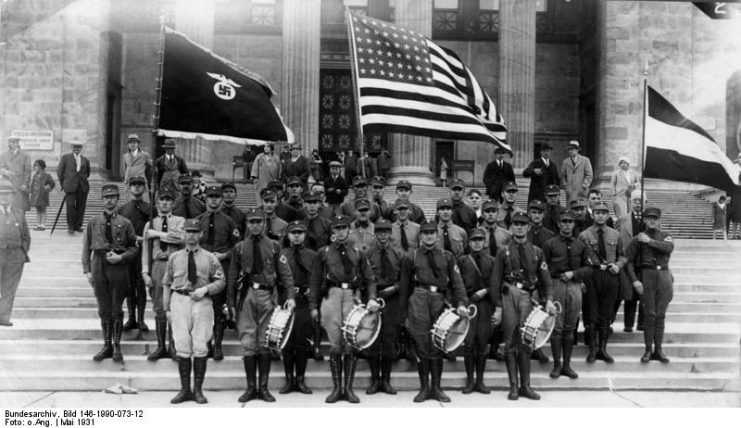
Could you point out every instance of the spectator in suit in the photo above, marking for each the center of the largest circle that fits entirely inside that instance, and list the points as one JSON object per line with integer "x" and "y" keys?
{"x": 496, "y": 174}
{"x": 15, "y": 166}
{"x": 297, "y": 165}
{"x": 351, "y": 166}
{"x": 542, "y": 172}
{"x": 248, "y": 156}
{"x": 73, "y": 171}
{"x": 137, "y": 163}
{"x": 170, "y": 167}
{"x": 576, "y": 174}
{"x": 335, "y": 186}
{"x": 265, "y": 169}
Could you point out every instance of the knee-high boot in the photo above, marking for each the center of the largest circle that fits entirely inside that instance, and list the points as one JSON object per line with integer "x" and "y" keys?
{"x": 219, "y": 327}
{"x": 199, "y": 373}
{"x": 436, "y": 390}
{"x": 141, "y": 306}
{"x": 335, "y": 367}
{"x": 288, "y": 363}
{"x": 658, "y": 353}
{"x": 648, "y": 340}
{"x": 386, "y": 363}
{"x": 317, "y": 347}
{"x": 131, "y": 324}
{"x": 510, "y": 360}
{"x": 590, "y": 335}
{"x": 160, "y": 327}
{"x": 568, "y": 346}
{"x": 602, "y": 354}
{"x": 523, "y": 357}
{"x": 480, "y": 370}
{"x": 423, "y": 369}
{"x": 469, "y": 363}
{"x": 184, "y": 368}
{"x": 300, "y": 362}
{"x": 374, "y": 362}
{"x": 556, "y": 349}
{"x": 117, "y": 329}
{"x": 264, "y": 361}
{"x": 350, "y": 363}
{"x": 107, "y": 350}
{"x": 250, "y": 370}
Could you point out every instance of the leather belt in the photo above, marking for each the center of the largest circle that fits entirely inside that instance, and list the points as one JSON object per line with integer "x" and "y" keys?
{"x": 260, "y": 286}
{"x": 654, "y": 267}
{"x": 184, "y": 292}
{"x": 342, "y": 285}
{"x": 432, "y": 288}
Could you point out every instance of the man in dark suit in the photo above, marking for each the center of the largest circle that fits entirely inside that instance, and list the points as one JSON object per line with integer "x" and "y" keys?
{"x": 73, "y": 171}
{"x": 496, "y": 174}
{"x": 542, "y": 172}
{"x": 170, "y": 166}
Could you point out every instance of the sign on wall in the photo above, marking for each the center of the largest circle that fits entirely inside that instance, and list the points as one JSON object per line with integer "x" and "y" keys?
{"x": 42, "y": 139}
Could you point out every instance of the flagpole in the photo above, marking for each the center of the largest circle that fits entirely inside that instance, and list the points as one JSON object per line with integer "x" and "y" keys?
{"x": 643, "y": 138}
{"x": 157, "y": 103}
{"x": 356, "y": 89}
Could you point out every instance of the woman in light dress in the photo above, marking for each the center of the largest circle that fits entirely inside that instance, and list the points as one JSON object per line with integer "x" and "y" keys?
{"x": 623, "y": 182}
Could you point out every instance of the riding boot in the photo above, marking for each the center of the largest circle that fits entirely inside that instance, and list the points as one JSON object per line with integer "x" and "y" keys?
{"x": 436, "y": 391}
{"x": 468, "y": 362}
{"x": 316, "y": 348}
{"x": 423, "y": 369}
{"x": 374, "y": 362}
{"x": 524, "y": 366}
{"x": 658, "y": 353}
{"x": 117, "y": 329}
{"x": 131, "y": 323}
{"x": 161, "y": 351}
{"x": 510, "y": 360}
{"x": 602, "y": 351}
{"x": 494, "y": 352}
{"x": 351, "y": 362}
{"x": 480, "y": 370}
{"x": 171, "y": 346}
{"x": 539, "y": 355}
{"x": 648, "y": 340}
{"x": 386, "y": 387}
{"x": 264, "y": 361}
{"x": 301, "y": 358}
{"x": 591, "y": 341}
{"x": 219, "y": 328}
{"x": 199, "y": 372}
{"x": 288, "y": 364}
{"x": 568, "y": 346}
{"x": 576, "y": 330}
{"x": 335, "y": 368}
{"x": 250, "y": 368}
{"x": 141, "y": 305}
{"x": 107, "y": 350}
{"x": 556, "y": 350}
{"x": 184, "y": 367}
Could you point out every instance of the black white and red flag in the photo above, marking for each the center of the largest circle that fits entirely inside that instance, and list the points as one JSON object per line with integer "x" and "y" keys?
{"x": 408, "y": 84}
{"x": 205, "y": 95}
{"x": 680, "y": 150}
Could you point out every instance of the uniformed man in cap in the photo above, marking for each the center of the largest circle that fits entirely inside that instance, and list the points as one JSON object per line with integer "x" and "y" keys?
{"x": 138, "y": 212}
{"x": 429, "y": 279}
{"x": 284, "y": 211}
{"x": 521, "y": 273}
{"x": 362, "y": 235}
{"x": 507, "y": 208}
{"x": 295, "y": 189}
{"x": 386, "y": 261}
{"x": 275, "y": 226}
{"x": 335, "y": 185}
{"x": 404, "y": 191}
{"x": 15, "y": 241}
{"x": 324, "y": 209}
{"x": 607, "y": 260}
{"x": 360, "y": 190}
{"x": 318, "y": 227}
{"x": 341, "y": 277}
{"x": 451, "y": 236}
{"x": 569, "y": 265}
{"x": 583, "y": 220}
{"x": 648, "y": 268}
{"x": 538, "y": 234}
{"x": 192, "y": 276}
{"x": 186, "y": 205}
{"x": 404, "y": 231}
{"x": 462, "y": 215}
{"x": 163, "y": 235}
{"x": 229, "y": 193}
{"x": 477, "y": 269}
{"x": 258, "y": 274}
{"x": 378, "y": 185}
{"x": 219, "y": 234}
{"x": 108, "y": 246}
{"x": 137, "y": 163}
{"x": 553, "y": 208}
{"x": 298, "y": 349}
{"x": 170, "y": 167}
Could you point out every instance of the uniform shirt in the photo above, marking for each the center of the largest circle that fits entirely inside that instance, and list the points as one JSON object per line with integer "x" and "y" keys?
{"x": 502, "y": 211}
{"x": 208, "y": 271}
{"x": 238, "y": 217}
{"x": 390, "y": 276}
{"x": 501, "y": 236}
{"x": 329, "y": 267}
{"x": 225, "y": 232}
{"x": 384, "y": 208}
{"x": 286, "y": 212}
{"x": 458, "y": 238}
{"x": 464, "y": 216}
{"x": 362, "y": 237}
{"x": 538, "y": 235}
{"x": 138, "y": 214}
{"x": 301, "y": 273}
{"x": 324, "y": 211}
{"x": 348, "y": 209}
{"x": 416, "y": 214}
{"x": 550, "y": 218}
{"x": 508, "y": 268}
{"x": 477, "y": 271}
{"x": 416, "y": 270}
{"x": 196, "y": 207}
{"x": 276, "y": 226}
{"x": 14, "y": 229}
{"x": 124, "y": 239}
{"x": 175, "y": 225}
{"x": 275, "y": 270}
{"x": 411, "y": 230}
{"x": 613, "y": 245}
{"x": 654, "y": 254}
{"x": 556, "y": 253}
{"x": 334, "y": 184}
{"x": 318, "y": 232}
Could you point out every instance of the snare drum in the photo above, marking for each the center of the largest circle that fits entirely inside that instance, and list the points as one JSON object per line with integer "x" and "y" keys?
{"x": 279, "y": 328}
{"x": 538, "y": 327}
{"x": 361, "y": 327}
{"x": 450, "y": 329}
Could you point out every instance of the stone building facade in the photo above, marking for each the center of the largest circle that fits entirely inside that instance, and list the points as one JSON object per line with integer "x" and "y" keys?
{"x": 557, "y": 70}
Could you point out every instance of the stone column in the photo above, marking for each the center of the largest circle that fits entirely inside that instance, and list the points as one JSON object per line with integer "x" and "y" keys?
{"x": 411, "y": 156}
{"x": 299, "y": 97}
{"x": 195, "y": 19}
{"x": 517, "y": 76}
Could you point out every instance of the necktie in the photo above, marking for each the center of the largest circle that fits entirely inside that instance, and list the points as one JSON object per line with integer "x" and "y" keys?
{"x": 403, "y": 235}
{"x": 385, "y": 265}
{"x": 108, "y": 229}
{"x": 573, "y": 161}
{"x": 477, "y": 259}
{"x": 430, "y": 254}
{"x": 492, "y": 242}
{"x": 269, "y": 227}
{"x": 256, "y": 255}
{"x": 569, "y": 254}
{"x": 446, "y": 239}
{"x": 163, "y": 245}
{"x": 211, "y": 235}
{"x": 601, "y": 250}
{"x": 300, "y": 277}
{"x": 508, "y": 217}
{"x": 186, "y": 204}
{"x": 524, "y": 263}
{"x": 192, "y": 275}
{"x": 346, "y": 262}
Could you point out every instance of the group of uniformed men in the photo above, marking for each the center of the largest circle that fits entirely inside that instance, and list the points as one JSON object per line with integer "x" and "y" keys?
{"x": 322, "y": 251}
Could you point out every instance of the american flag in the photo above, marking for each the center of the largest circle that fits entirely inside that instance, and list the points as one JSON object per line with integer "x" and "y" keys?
{"x": 410, "y": 85}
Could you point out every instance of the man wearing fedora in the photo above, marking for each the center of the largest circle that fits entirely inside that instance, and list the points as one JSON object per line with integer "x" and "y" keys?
{"x": 15, "y": 166}
{"x": 137, "y": 163}
{"x": 576, "y": 174}
{"x": 73, "y": 171}
{"x": 170, "y": 166}
{"x": 297, "y": 165}
{"x": 15, "y": 241}
{"x": 542, "y": 172}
